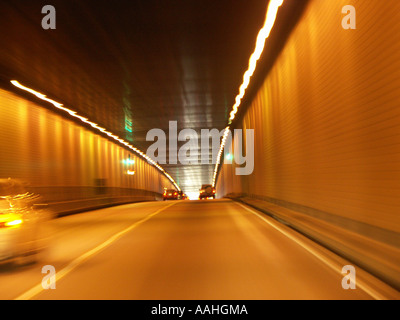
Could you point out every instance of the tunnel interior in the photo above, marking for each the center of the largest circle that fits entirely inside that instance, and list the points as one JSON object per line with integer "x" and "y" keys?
{"x": 121, "y": 101}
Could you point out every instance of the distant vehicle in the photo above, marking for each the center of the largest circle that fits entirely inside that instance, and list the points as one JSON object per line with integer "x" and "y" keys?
{"x": 182, "y": 195}
{"x": 21, "y": 220}
{"x": 207, "y": 191}
{"x": 170, "y": 194}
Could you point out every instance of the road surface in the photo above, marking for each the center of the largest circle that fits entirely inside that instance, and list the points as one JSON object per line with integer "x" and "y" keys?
{"x": 197, "y": 250}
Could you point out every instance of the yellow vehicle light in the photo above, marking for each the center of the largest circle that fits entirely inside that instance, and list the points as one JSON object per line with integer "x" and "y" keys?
{"x": 13, "y": 223}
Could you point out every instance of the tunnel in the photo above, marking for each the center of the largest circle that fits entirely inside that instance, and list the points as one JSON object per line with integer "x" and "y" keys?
{"x": 270, "y": 128}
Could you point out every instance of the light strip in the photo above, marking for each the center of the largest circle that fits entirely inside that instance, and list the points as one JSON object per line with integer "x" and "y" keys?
{"x": 263, "y": 34}
{"x": 95, "y": 126}
{"x": 221, "y": 150}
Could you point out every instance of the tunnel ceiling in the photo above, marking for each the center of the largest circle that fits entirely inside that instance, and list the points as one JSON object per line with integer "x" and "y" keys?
{"x": 148, "y": 62}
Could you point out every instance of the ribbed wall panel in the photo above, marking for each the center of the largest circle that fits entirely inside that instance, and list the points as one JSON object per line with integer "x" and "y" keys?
{"x": 48, "y": 150}
{"x": 327, "y": 117}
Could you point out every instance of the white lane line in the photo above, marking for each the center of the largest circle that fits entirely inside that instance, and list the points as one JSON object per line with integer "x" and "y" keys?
{"x": 76, "y": 262}
{"x": 334, "y": 266}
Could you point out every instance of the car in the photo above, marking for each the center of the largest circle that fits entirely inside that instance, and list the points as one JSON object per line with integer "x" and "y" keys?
{"x": 182, "y": 195}
{"x": 22, "y": 218}
{"x": 207, "y": 191}
{"x": 170, "y": 194}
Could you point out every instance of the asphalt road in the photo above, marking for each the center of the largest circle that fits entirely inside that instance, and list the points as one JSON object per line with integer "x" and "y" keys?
{"x": 200, "y": 250}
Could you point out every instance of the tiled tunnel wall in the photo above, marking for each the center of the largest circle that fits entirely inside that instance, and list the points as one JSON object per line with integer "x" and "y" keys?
{"x": 326, "y": 126}
{"x": 72, "y": 167}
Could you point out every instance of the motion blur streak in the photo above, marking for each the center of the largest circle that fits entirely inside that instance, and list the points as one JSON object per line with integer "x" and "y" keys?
{"x": 327, "y": 135}
{"x": 95, "y": 126}
{"x": 329, "y": 262}
{"x": 69, "y": 165}
{"x": 263, "y": 34}
{"x": 322, "y": 101}
{"x": 76, "y": 262}
{"x": 13, "y": 223}
{"x": 221, "y": 150}
{"x": 191, "y": 250}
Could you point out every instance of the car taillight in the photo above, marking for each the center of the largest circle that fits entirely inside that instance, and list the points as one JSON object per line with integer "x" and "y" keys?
{"x": 11, "y": 223}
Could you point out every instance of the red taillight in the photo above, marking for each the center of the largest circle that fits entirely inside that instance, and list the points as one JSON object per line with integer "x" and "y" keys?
{"x": 11, "y": 223}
